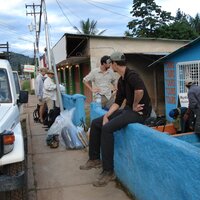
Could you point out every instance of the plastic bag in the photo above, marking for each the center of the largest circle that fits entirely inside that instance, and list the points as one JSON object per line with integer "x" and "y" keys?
{"x": 67, "y": 130}
{"x": 70, "y": 137}
{"x": 62, "y": 88}
{"x": 82, "y": 135}
{"x": 64, "y": 119}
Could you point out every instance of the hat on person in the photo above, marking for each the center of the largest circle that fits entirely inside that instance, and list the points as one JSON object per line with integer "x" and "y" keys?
{"x": 50, "y": 72}
{"x": 189, "y": 82}
{"x": 43, "y": 69}
{"x": 116, "y": 56}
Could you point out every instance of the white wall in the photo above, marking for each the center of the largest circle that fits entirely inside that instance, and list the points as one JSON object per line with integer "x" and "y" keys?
{"x": 59, "y": 50}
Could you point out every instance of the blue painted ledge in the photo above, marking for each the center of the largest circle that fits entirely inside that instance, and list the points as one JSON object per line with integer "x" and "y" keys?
{"x": 156, "y": 166}
{"x": 76, "y": 101}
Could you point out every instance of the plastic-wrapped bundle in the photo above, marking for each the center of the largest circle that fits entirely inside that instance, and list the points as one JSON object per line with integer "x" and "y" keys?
{"x": 70, "y": 138}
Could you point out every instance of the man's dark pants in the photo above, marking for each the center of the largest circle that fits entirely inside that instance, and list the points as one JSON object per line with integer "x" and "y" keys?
{"x": 102, "y": 136}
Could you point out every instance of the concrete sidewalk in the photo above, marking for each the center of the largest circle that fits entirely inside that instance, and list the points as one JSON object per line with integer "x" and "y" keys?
{"x": 53, "y": 174}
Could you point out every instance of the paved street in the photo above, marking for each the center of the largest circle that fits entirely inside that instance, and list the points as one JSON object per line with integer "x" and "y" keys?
{"x": 53, "y": 174}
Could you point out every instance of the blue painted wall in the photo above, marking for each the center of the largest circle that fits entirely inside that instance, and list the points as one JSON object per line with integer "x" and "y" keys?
{"x": 154, "y": 165}
{"x": 189, "y": 53}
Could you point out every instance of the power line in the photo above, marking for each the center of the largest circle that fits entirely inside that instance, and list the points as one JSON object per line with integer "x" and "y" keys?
{"x": 65, "y": 14}
{"x": 70, "y": 10}
{"x": 111, "y": 5}
{"x": 105, "y": 9}
{"x": 9, "y": 30}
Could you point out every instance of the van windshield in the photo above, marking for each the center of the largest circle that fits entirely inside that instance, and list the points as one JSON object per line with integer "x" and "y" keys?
{"x": 5, "y": 94}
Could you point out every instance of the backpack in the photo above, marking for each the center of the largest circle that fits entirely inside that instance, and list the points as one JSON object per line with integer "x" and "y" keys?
{"x": 52, "y": 141}
{"x": 53, "y": 113}
{"x": 36, "y": 115}
{"x": 155, "y": 121}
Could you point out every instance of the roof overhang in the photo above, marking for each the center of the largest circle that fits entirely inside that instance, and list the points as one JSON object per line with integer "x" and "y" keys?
{"x": 75, "y": 60}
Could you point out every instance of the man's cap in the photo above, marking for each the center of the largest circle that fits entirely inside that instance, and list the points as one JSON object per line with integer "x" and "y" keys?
{"x": 189, "y": 82}
{"x": 50, "y": 72}
{"x": 117, "y": 56}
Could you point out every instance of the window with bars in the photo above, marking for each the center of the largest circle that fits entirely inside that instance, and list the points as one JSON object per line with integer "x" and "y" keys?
{"x": 187, "y": 70}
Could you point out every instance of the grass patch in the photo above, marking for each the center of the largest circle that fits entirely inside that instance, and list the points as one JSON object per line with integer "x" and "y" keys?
{"x": 26, "y": 85}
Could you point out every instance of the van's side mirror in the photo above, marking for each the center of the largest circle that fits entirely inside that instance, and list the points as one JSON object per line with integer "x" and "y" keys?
{"x": 23, "y": 96}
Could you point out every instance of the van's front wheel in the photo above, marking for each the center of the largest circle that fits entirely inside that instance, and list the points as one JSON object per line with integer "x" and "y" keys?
{"x": 18, "y": 183}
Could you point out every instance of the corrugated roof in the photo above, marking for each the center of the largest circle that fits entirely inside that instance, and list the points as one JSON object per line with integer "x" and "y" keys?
{"x": 120, "y": 37}
{"x": 192, "y": 43}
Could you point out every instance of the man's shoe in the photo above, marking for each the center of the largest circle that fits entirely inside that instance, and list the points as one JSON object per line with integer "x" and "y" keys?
{"x": 91, "y": 164}
{"x": 104, "y": 178}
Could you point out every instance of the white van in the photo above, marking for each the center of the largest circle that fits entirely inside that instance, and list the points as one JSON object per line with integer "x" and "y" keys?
{"x": 12, "y": 151}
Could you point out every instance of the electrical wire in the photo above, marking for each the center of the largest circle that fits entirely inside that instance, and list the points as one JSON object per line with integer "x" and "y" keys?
{"x": 105, "y": 9}
{"x": 61, "y": 3}
{"x": 65, "y": 15}
{"x": 5, "y": 29}
{"x": 93, "y": 4}
{"x": 111, "y": 5}
{"x": 9, "y": 30}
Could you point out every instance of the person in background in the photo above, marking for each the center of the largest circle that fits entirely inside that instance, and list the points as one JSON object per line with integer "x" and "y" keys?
{"x": 194, "y": 103}
{"x": 39, "y": 85}
{"x": 102, "y": 81}
{"x": 180, "y": 124}
{"x": 49, "y": 90}
{"x": 137, "y": 109}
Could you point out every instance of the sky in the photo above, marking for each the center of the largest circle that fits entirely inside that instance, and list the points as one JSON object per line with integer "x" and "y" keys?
{"x": 111, "y": 15}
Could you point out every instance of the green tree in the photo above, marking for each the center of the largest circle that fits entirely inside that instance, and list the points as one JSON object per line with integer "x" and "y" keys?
{"x": 150, "y": 21}
{"x": 177, "y": 30}
{"x": 181, "y": 28}
{"x": 195, "y": 23}
{"x": 148, "y": 16}
{"x": 89, "y": 27}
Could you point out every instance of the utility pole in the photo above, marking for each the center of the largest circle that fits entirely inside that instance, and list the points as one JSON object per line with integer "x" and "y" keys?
{"x": 35, "y": 10}
{"x": 50, "y": 55}
{"x": 5, "y": 55}
{"x": 47, "y": 34}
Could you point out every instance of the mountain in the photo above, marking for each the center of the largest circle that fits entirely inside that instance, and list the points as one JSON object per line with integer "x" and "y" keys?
{"x": 17, "y": 61}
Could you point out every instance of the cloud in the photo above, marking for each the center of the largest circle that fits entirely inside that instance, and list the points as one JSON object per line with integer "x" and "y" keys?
{"x": 188, "y": 7}
{"x": 112, "y": 15}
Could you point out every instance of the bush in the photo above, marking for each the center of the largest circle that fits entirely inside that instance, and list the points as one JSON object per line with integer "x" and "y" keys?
{"x": 26, "y": 85}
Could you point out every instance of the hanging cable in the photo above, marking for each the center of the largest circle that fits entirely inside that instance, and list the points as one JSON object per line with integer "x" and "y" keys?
{"x": 65, "y": 15}
{"x": 111, "y": 5}
{"x": 102, "y": 8}
{"x": 63, "y": 5}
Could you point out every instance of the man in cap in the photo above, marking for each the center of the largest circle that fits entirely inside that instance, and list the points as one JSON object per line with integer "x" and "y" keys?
{"x": 194, "y": 103}
{"x": 49, "y": 90}
{"x": 39, "y": 85}
{"x": 102, "y": 81}
{"x": 137, "y": 109}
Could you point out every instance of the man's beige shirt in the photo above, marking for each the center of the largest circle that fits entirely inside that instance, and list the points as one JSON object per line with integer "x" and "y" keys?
{"x": 103, "y": 80}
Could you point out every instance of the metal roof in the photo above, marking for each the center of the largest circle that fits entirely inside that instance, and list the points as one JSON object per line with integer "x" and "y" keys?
{"x": 189, "y": 45}
{"x": 121, "y": 37}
